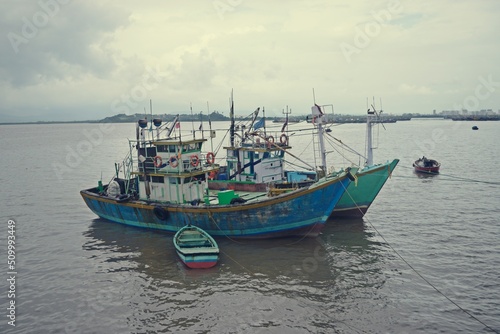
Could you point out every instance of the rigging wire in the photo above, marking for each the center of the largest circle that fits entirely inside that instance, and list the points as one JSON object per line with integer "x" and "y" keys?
{"x": 417, "y": 272}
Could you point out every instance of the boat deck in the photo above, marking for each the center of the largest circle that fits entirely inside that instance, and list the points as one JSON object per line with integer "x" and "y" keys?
{"x": 246, "y": 195}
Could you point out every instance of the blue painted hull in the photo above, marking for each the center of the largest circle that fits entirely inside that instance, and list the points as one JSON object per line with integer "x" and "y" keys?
{"x": 302, "y": 212}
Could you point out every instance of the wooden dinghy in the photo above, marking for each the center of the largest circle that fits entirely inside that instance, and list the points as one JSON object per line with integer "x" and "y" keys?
{"x": 196, "y": 248}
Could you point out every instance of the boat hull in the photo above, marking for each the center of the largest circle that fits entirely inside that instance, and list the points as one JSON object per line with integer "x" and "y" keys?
{"x": 359, "y": 195}
{"x": 429, "y": 170}
{"x": 196, "y": 248}
{"x": 302, "y": 212}
{"x": 198, "y": 261}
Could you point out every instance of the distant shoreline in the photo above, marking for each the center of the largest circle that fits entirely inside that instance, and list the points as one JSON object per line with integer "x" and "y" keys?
{"x": 216, "y": 117}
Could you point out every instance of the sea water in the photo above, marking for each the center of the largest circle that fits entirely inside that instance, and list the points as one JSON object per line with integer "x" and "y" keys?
{"x": 425, "y": 258}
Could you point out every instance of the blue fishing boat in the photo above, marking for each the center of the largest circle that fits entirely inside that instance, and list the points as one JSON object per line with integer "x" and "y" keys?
{"x": 196, "y": 248}
{"x": 164, "y": 186}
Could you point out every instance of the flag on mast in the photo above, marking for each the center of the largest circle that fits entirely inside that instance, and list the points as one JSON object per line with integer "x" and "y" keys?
{"x": 259, "y": 124}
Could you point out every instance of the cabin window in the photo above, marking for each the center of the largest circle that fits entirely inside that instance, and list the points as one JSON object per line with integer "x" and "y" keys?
{"x": 162, "y": 148}
{"x": 157, "y": 179}
{"x": 148, "y": 152}
{"x": 172, "y": 180}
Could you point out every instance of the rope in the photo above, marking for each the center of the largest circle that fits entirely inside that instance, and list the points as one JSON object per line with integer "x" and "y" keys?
{"x": 415, "y": 271}
{"x": 456, "y": 178}
{"x": 428, "y": 282}
{"x": 418, "y": 273}
{"x": 227, "y": 236}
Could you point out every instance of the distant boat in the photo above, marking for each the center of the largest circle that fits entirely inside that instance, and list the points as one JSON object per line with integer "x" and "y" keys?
{"x": 424, "y": 165}
{"x": 196, "y": 248}
{"x": 475, "y": 127}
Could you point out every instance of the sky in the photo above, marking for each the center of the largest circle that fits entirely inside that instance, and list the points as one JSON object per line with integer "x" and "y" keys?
{"x": 64, "y": 60}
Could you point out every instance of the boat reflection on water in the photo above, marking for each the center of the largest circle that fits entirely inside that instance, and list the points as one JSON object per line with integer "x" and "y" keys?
{"x": 255, "y": 282}
{"x": 118, "y": 248}
{"x": 426, "y": 176}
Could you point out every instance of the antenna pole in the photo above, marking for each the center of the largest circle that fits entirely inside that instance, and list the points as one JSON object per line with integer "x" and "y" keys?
{"x": 231, "y": 115}
{"x": 192, "y": 120}
{"x": 210, "y": 127}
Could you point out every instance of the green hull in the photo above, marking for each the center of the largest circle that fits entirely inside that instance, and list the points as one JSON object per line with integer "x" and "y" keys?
{"x": 360, "y": 195}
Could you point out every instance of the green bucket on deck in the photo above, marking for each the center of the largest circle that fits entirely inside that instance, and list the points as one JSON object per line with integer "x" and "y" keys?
{"x": 226, "y": 196}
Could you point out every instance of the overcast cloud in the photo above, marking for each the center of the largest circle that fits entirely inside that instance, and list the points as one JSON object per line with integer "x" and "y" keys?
{"x": 77, "y": 60}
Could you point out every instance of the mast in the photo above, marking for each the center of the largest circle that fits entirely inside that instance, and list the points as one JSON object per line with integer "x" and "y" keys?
{"x": 285, "y": 126}
{"x": 371, "y": 117}
{"x": 231, "y": 115}
{"x": 369, "y": 141}
{"x": 210, "y": 128}
{"x": 318, "y": 119}
{"x": 264, "y": 116}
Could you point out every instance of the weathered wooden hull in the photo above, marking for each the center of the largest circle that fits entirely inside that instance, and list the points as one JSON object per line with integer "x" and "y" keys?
{"x": 198, "y": 261}
{"x": 431, "y": 170}
{"x": 196, "y": 248}
{"x": 360, "y": 194}
{"x": 302, "y": 212}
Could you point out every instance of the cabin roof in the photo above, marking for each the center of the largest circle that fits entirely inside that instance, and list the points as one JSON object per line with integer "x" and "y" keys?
{"x": 258, "y": 148}
{"x": 182, "y": 174}
{"x": 177, "y": 141}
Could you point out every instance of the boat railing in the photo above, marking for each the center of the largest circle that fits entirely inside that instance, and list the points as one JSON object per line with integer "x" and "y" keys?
{"x": 153, "y": 161}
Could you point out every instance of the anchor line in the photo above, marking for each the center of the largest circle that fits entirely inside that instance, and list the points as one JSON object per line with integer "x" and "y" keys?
{"x": 429, "y": 283}
{"x": 225, "y": 234}
{"x": 418, "y": 273}
{"x": 457, "y": 178}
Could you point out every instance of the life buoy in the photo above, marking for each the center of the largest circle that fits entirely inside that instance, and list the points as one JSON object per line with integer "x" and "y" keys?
{"x": 173, "y": 161}
{"x": 270, "y": 139}
{"x": 210, "y": 158}
{"x": 157, "y": 161}
{"x": 160, "y": 213}
{"x": 194, "y": 160}
{"x": 284, "y": 139}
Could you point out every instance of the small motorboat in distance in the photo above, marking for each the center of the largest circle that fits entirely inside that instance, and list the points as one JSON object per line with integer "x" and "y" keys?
{"x": 475, "y": 127}
{"x": 424, "y": 165}
{"x": 196, "y": 248}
